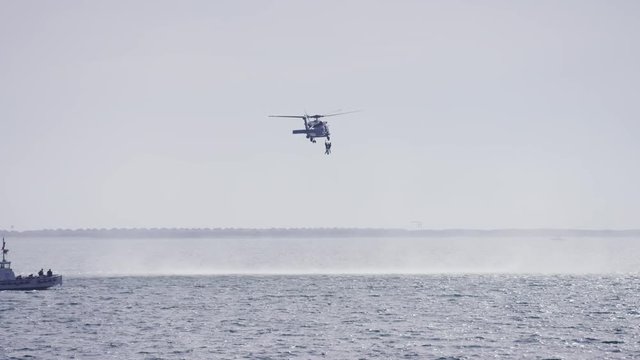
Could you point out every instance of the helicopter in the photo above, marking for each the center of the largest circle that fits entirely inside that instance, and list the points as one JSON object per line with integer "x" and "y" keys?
{"x": 313, "y": 126}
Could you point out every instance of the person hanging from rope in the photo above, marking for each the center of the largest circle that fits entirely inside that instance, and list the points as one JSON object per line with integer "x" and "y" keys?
{"x": 327, "y": 147}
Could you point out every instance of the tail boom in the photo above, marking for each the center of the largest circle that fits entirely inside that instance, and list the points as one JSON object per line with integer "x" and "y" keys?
{"x": 302, "y": 132}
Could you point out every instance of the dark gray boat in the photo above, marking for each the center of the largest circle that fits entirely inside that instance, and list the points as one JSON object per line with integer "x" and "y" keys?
{"x": 9, "y": 281}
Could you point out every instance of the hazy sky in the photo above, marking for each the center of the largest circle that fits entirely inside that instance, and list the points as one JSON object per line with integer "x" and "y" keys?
{"x": 487, "y": 114}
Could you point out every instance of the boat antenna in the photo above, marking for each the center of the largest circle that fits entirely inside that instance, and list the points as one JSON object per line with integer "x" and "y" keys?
{"x": 4, "y": 251}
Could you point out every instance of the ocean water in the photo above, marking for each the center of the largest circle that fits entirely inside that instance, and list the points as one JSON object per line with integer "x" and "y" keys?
{"x": 326, "y": 316}
{"x": 355, "y": 298}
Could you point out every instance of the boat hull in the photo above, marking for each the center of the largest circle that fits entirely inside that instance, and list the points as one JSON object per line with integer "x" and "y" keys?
{"x": 33, "y": 283}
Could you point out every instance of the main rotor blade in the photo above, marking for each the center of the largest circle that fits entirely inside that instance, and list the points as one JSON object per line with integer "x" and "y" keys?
{"x": 288, "y": 116}
{"x": 342, "y": 113}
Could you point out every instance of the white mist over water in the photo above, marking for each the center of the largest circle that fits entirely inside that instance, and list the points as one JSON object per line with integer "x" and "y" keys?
{"x": 199, "y": 256}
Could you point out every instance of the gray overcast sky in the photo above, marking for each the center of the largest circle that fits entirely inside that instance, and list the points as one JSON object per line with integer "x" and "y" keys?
{"x": 484, "y": 114}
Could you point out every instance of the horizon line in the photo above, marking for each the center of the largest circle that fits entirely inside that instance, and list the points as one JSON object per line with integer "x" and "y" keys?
{"x": 316, "y": 229}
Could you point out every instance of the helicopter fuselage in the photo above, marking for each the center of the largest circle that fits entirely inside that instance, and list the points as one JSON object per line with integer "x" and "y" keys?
{"x": 315, "y": 129}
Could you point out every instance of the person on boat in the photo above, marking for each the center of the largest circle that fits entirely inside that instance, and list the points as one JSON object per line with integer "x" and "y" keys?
{"x": 49, "y": 272}
{"x": 41, "y": 272}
